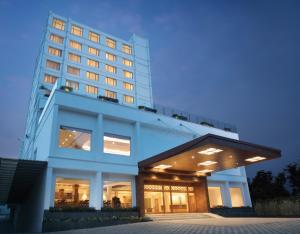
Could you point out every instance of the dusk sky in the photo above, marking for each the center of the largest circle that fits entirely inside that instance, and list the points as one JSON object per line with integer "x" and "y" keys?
{"x": 234, "y": 61}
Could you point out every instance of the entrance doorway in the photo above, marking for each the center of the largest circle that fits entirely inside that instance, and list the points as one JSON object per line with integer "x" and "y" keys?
{"x": 169, "y": 199}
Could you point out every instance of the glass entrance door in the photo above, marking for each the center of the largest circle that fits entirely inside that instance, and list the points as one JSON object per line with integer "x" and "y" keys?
{"x": 169, "y": 199}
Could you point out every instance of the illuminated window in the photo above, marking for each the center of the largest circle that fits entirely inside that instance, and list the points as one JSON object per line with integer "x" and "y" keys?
{"x": 110, "y": 57}
{"x": 127, "y": 62}
{"x": 74, "y": 138}
{"x": 128, "y": 74}
{"x": 56, "y": 38}
{"x": 128, "y": 99}
{"x": 215, "y": 196}
{"x": 236, "y": 197}
{"x": 126, "y": 49}
{"x": 93, "y": 51}
{"x": 91, "y": 89}
{"x": 76, "y": 30}
{"x": 54, "y": 51}
{"x": 110, "y": 43}
{"x": 110, "y": 81}
{"x": 127, "y": 86}
{"x": 71, "y": 192}
{"x": 76, "y": 45}
{"x": 50, "y": 79}
{"x": 121, "y": 190}
{"x": 72, "y": 84}
{"x": 110, "y": 94}
{"x": 73, "y": 70}
{"x": 94, "y": 36}
{"x": 92, "y": 75}
{"x": 110, "y": 68}
{"x": 92, "y": 63}
{"x": 114, "y": 144}
{"x": 53, "y": 65}
{"x": 75, "y": 58}
{"x": 58, "y": 24}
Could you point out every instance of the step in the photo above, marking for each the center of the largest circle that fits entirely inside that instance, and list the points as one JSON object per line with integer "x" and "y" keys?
{"x": 178, "y": 216}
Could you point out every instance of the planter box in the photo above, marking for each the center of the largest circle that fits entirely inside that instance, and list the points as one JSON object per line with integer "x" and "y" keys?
{"x": 104, "y": 98}
{"x": 234, "y": 212}
{"x": 147, "y": 109}
{"x": 66, "y": 220}
{"x": 181, "y": 117}
{"x": 207, "y": 124}
{"x": 66, "y": 88}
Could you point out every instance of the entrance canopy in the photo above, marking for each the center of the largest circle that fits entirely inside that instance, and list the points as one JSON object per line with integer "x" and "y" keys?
{"x": 17, "y": 177}
{"x": 207, "y": 154}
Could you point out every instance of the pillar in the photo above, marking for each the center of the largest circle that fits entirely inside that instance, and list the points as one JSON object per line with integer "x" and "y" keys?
{"x": 96, "y": 192}
{"x": 226, "y": 195}
{"x": 201, "y": 195}
{"x": 139, "y": 182}
{"x": 48, "y": 201}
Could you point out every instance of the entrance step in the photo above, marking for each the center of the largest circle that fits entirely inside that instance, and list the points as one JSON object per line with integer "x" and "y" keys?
{"x": 179, "y": 216}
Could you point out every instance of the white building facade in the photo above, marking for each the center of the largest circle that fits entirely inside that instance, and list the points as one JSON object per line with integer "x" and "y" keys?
{"x": 88, "y": 119}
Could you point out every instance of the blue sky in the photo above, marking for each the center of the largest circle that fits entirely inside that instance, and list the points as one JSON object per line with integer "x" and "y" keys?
{"x": 235, "y": 61}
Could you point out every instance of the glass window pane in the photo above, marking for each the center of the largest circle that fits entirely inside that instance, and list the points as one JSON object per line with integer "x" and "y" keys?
{"x": 72, "y": 84}
{"x": 117, "y": 194}
{"x": 74, "y": 138}
{"x": 71, "y": 192}
{"x": 215, "y": 196}
{"x": 153, "y": 202}
{"x": 114, "y": 144}
{"x": 236, "y": 197}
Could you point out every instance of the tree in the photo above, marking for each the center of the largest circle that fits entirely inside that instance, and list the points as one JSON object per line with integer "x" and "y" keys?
{"x": 278, "y": 185}
{"x": 293, "y": 176}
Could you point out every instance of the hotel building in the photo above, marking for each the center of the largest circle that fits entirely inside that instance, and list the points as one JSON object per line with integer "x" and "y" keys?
{"x": 92, "y": 119}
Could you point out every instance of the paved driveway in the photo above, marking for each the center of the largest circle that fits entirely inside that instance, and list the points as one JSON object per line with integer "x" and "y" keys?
{"x": 213, "y": 226}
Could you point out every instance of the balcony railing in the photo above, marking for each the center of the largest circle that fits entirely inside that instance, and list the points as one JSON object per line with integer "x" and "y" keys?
{"x": 198, "y": 119}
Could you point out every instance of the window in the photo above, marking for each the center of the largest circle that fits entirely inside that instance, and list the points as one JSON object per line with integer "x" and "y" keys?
{"x": 110, "y": 57}
{"x": 128, "y": 74}
{"x": 50, "y": 79}
{"x": 128, "y": 99}
{"x": 74, "y": 138}
{"x": 58, "y": 24}
{"x": 126, "y": 49}
{"x": 94, "y": 36}
{"x": 110, "y": 43}
{"x": 71, "y": 192}
{"x": 236, "y": 197}
{"x": 56, "y": 38}
{"x": 91, "y": 89}
{"x": 110, "y": 81}
{"x": 54, "y": 51}
{"x": 110, "y": 68}
{"x": 119, "y": 189}
{"x": 76, "y": 45}
{"x": 53, "y": 65}
{"x": 93, "y": 51}
{"x": 127, "y": 86}
{"x": 92, "y": 75}
{"x": 92, "y": 63}
{"x": 215, "y": 196}
{"x": 72, "y": 84}
{"x": 114, "y": 144}
{"x": 75, "y": 58}
{"x": 76, "y": 30}
{"x": 127, "y": 62}
{"x": 73, "y": 70}
{"x": 110, "y": 94}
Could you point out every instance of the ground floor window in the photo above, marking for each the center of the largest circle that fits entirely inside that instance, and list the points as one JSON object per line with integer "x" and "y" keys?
{"x": 236, "y": 197}
{"x": 215, "y": 197}
{"x": 117, "y": 194}
{"x": 71, "y": 192}
{"x": 167, "y": 199}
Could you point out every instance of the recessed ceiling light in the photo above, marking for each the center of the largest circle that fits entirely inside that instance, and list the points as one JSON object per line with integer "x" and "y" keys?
{"x": 162, "y": 166}
{"x": 210, "y": 151}
{"x": 255, "y": 159}
{"x": 193, "y": 157}
{"x": 230, "y": 156}
{"x": 207, "y": 163}
{"x": 205, "y": 171}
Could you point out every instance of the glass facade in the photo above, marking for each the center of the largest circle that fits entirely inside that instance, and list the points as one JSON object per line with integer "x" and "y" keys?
{"x": 117, "y": 194}
{"x": 74, "y": 138}
{"x": 215, "y": 197}
{"x": 114, "y": 144}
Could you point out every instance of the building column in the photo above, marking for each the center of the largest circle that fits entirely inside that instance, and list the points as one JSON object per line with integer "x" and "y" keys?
{"x": 98, "y": 138}
{"x": 137, "y": 135}
{"x": 246, "y": 194}
{"x": 139, "y": 183}
{"x": 48, "y": 188}
{"x": 133, "y": 192}
{"x": 201, "y": 195}
{"x": 226, "y": 195}
{"x": 96, "y": 192}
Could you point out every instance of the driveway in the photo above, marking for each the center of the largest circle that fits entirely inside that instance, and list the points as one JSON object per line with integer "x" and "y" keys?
{"x": 213, "y": 226}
